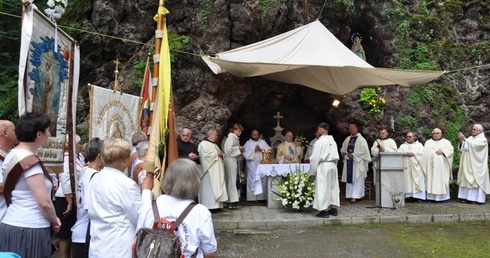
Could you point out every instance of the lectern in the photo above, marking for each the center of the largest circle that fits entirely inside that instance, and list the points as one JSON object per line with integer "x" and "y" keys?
{"x": 389, "y": 179}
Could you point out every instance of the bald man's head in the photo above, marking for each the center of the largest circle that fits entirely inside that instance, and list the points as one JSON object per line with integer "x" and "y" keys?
{"x": 7, "y": 135}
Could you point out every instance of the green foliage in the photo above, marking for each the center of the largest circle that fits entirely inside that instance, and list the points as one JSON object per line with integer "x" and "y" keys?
{"x": 72, "y": 8}
{"x": 420, "y": 95}
{"x": 74, "y": 28}
{"x": 405, "y": 122}
{"x": 8, "y": 102}
{"x": 207, "y": 7}
{"x": 9, "y": 54}
{"x": 266, "y": 5}
{"x": 177, "y": 43}
{"x": 138, "y": 72}
{"x": 416, "y": 58}
{"x": 371, "y": 100}
{"x": 349, "y": 4}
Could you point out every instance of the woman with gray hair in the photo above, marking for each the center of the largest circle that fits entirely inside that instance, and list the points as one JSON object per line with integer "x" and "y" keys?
{"x": 181, "y": 185}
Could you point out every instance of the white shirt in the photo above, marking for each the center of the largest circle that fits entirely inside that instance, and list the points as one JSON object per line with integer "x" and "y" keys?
{"x": 79, "y": 230}
{"x": 24, "y": 210}
{"x": 113, "y": 207}
{"x": 196, "y": 231}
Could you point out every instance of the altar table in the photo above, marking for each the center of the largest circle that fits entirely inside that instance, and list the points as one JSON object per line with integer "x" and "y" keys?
{"x": 273, "y": 172}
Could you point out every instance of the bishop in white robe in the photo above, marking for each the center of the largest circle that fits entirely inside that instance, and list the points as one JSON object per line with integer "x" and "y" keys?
{"x": 473, "y": 178}
{"x": 439, "y": 154}
{"x": 289, "y": 151}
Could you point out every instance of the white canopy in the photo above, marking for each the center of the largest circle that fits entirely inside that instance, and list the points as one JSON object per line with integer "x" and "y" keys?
{"x": 311, "y": 56}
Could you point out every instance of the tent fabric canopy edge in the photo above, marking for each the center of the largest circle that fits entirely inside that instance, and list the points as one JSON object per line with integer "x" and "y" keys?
{"x": 311, "y": 56}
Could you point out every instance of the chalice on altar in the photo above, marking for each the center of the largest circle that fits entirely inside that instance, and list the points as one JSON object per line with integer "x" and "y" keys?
{"x": 269, "y": 156}
{"x": 264, "y": 157}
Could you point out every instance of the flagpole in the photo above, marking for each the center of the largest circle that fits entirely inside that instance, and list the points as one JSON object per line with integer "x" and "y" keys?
{"x": 163, "y": 139}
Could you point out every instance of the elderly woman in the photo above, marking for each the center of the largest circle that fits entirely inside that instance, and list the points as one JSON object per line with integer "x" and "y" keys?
{"x": 79, "y": 230}
{"x": 113, "y": 203}
{"x": 181, "y": 184}
{"x": 30, "y": 216}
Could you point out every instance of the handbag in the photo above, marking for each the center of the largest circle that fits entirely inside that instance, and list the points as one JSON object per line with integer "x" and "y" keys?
{"x": 160, "y": 240}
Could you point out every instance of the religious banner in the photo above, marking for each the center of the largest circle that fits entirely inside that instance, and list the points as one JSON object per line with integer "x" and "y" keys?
{"x": 48, "y": 80}
{"x": 145, "y": 100}
{"x": 113, "y": 114}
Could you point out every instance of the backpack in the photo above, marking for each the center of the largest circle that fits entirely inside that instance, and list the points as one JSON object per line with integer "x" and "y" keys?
{"x": 160, "y": 240}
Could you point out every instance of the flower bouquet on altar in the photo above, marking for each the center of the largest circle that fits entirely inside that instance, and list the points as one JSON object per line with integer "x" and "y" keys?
{"x": 296, "y": 191}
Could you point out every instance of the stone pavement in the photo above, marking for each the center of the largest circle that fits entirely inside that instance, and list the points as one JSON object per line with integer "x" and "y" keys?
{"x": 257, "y": 215}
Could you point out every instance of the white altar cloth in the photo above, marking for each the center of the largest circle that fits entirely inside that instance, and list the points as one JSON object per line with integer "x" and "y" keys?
{"x": 273, "y": 170}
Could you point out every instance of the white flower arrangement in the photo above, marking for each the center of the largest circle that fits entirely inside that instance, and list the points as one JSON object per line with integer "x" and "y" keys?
{"x": 296, "y": 191}
{"x": 57, "y": 8}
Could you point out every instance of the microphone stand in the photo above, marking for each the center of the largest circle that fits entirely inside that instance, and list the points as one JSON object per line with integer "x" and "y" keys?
{"x": 378, "y": 185}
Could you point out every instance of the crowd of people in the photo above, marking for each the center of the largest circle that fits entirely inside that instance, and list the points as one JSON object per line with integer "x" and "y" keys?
{"x": 112, "y": 198}
{"x": 111, "y": 201}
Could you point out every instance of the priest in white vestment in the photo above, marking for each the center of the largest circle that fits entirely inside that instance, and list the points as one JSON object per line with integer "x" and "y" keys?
{"x": 253, "y": 156}
{"x": 213, "y": 187}
{"x": 473, "y": 178}
{"x": 414, "y": 164}
{"x": 439, "y": 153}
{"x": 289, "y": 151}
{"x": 324, "y": 166}
{"x": 232, "y": 150}
{"x": 383, "y": 144}
{"x": 355, "y": 153}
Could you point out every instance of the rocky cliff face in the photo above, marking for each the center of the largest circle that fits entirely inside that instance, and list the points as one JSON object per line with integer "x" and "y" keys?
{"x": 444, "y": 35}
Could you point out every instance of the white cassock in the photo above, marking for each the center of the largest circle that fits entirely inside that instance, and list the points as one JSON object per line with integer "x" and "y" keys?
{"x": 439, "y": 169}
{"x": 414, "y": 170}
{"x": 255, "y": 183}
{"x": 231, "y": 152}
{"x": 473, "y": 169}
{"x": 309, "y": 149}
{"x": 356, "y": 189}
{"x": 389, "y": 145}
{"x": 213, "y": 186}
{"x": 323, "y": 163}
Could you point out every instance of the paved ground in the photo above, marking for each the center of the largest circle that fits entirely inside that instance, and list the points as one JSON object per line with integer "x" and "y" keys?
{"x": 257, "y": 215}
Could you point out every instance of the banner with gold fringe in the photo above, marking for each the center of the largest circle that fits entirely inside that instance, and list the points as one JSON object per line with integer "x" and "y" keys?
{"x": 112, "y": 114}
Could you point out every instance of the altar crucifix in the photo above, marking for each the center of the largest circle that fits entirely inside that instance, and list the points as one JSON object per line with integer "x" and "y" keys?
{"x": 278, "y": 137}
{"x": 278, "y": 117}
